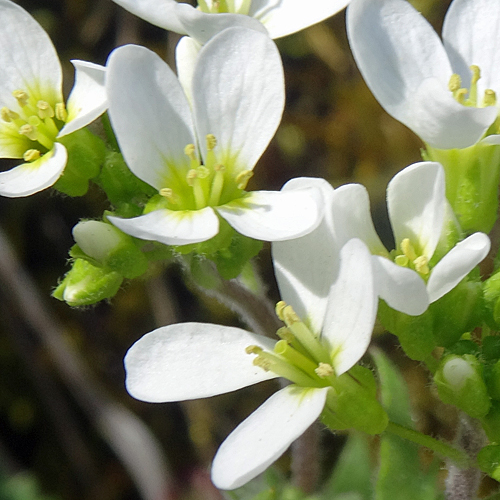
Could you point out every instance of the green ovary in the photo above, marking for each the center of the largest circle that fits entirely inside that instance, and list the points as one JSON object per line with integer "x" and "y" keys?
{"x": 408, "y": 256}
{"x": 33, "y": 126}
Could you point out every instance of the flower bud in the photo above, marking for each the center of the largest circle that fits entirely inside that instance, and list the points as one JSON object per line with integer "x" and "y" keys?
{"x": 109, "y": 247}
{"x": 86, "y": 284}
{"x": 459, "y": 381}
{"x": 488, "y": 460}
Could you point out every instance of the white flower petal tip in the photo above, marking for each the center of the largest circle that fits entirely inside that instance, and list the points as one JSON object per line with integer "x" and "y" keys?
{"x": 30, "y": 178}
{"x": 402, "y": 288}
{"x": 265, "y": 435}
{"x": 352, "y": 307}
{"x": 171, "y": 227}
{"x": 87, "y": 100}
{"x": 192, "y": 360}
{"x": 284, "y": 18}
{"x": 275, "y": 215}
{"x": 406, "y": 66}
{"x": 456, "y": 264}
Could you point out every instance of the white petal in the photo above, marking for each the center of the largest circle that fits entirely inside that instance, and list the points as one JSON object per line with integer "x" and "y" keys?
{"x": 352, "y": 307}
{"x": 471, "y": 36}
{"x": 416, "y": 203}
{"x": 192, "y": 360}
{"x": 238, "y": 92}
{"x": 171, "y": 227}
{"x": 402, "y": 288}
{"x": 435, "y": 116}
{"x": 352, "y": 218}
{"x": 395, "y": 49}
{"x": 306, "y": 267}
{"x": 456, "y": 264}
{"x": 406, "y": 67}
{"x": 274, "y": 215}
{"x": 162, "y": 13}
{"x": 29, "y": 178}
{"x": 265, "y": 435}
{"x": 288, "y": 16}
{"x": 202, "y": 26}
{"x": 186, "y": 54}
{"x": 149, "y": 113}
{"x": 27, "y": 57}
{"x": 493, "y": 140}
{"x": 88, "y": 99}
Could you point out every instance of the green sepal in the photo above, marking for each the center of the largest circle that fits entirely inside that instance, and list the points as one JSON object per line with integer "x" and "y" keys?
{"x": 457, "y": 312}
{"x": 86, "y": 154}
{"x": 464, "y": 346}
{"x": 491, "y": 294}
{"x": 472, "y": 178}
{"x": 459, "y": 381}
{"x": 488, "y": 460}
{"x": 492, "y": 379}
{"x": 353, "y": 404}
{"x": 415, "y": 333}
{"x": 86, "y": 284}
{"x": 490, "y": 348}
{"x": 122, "y": 187}
{"x": 491, "y": 422}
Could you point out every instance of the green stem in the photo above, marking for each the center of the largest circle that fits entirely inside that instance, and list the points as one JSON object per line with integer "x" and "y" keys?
{"x": 457, "y": 456}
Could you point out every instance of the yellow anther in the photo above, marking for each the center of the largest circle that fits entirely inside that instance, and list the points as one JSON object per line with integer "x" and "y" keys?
{"x": 191, "y": 176}
{"x": 219, "y": 168}
{"x": 242, "y": 178}
{"x": 265, "y": 364}
{"x": 190, "y": 150}
{"x": 21, "y": 96}
{"x": 324, "y": 370}
{"x": 290, "y": 316}
{"x": 454, "y": 83}
{"x": 169, "y": 195}
{"x": 476, "y": 74}
{"x": 490, "y": 98}
{"x": 279, "y": 309}
{"x": 45, "y": 110}
{"x": 31, "y": 155}
{"x": 211, "y": 142}
{"x": 253, "y": 349}
{"x": 285, "y": 334}
{"x": 202, "y": 172}
{"x": 460, "y": 95}
{"x": 408, "y": 250}
{"x": 422, "y": 265}
{"x": 61, "y": 113}
{"x": 34, "y": 121}
{"x": 8, "y": 115}
{"x": 29, "y": 131}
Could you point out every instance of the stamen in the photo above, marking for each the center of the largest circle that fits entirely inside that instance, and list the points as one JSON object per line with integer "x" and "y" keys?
{"x": 60, "y": 112}
{"x": 324, "y": 370}
{"x": 460, "y": 95}
{"x": 217, "y": 185}
{"x": 402, "y": 260}
{"x": 279, "y": 309}
{"x": 242, "y": 178}
{"x": 454, "y": 83}
{"x": 476, "y": 74}
{"x": 8, "y": 115}
{"x": 21, "y": 96}
{"x": 422, "y": 265}
{"x": 169, "y": 195}
{"x": 407, "y": 249}
{"x": 31, "y": 155}
{"x": 490, "y": 98}
{"x": 45, "y": 110}
{"x": 193, "y": 180}
{"x": 211, "y": 142}
{"x": 29, "y": 131}
{"x": 202, "y": 172}
{"x": 296, "y": 358}
{"x": 189, "y": 151}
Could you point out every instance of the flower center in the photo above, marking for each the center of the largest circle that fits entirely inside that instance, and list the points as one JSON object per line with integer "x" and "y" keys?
{"x": 299, "y": 356}
{"x": 224, "y": 6}
{"x": 408, "y": 257}
{"x": 469, "y": 97}
{"x": 207, "y": 184}
{"x": 34, "y": 124}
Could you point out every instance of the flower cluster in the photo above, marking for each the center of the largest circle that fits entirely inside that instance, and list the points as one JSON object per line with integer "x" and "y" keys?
{"x": 176, "y": 163}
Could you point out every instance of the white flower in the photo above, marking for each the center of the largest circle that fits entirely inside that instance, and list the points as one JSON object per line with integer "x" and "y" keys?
{"x": 33, "y": 115}
{"x": 444, "y": 92}
{"x": 406, "y": 278}
{"x": 201, "y": 158}
{"x": 280, "y": 17}
{"x": 193, "y": 360}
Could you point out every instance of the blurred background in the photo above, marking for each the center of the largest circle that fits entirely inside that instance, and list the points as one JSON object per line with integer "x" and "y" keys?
{"x": 68, "y": 428}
